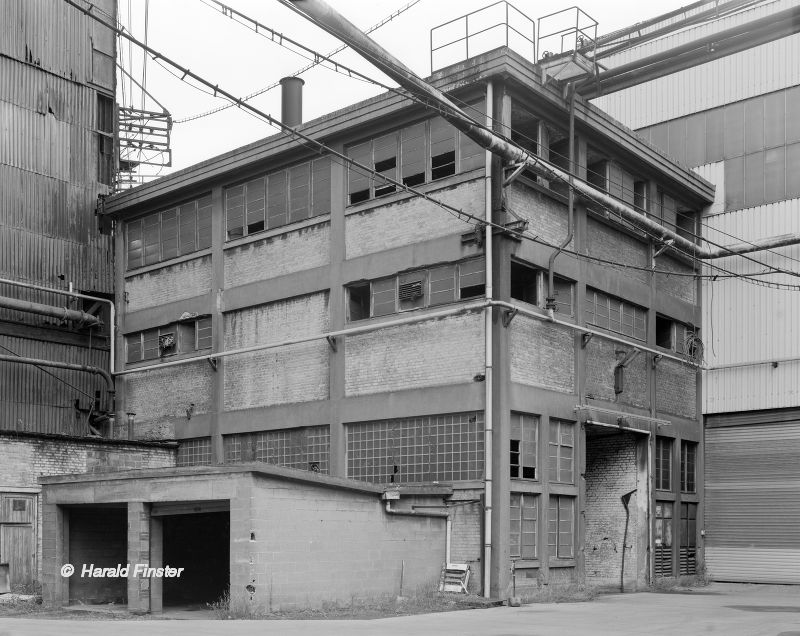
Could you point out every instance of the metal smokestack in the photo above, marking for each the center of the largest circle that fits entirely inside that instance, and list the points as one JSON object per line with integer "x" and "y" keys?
{"x": 292, "y": 101}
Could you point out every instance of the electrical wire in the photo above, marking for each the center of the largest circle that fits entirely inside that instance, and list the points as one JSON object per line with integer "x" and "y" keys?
{"x": 320, "y": 147}
{"x": 265, "y": 89}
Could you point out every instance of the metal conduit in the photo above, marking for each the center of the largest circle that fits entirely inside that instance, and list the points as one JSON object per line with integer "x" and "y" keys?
{"x": 49, "y": 310}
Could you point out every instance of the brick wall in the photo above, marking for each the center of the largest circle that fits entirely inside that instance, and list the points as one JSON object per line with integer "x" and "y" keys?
{"x": 683, "y": 287}
{"x": 161, "y": 396}
{"x": 547, "y": 218}
{"x": 676, "y": 389}
{"x": 600, "y": 362}
{"x": 466, "y": 532}
{"x": 611, "y": 472}
{"x": 294, "y": 373}
{"x": 608, "y": 243}
{"x": 168, "y": 284}
{"x": 99, "y": 539}
{"x": 542, "y": 354}
{"x": 312, "y": 545}
{"x": 412, "y": 220}
{"x": 436, "y": 352}
{"x": 277, "y": 255}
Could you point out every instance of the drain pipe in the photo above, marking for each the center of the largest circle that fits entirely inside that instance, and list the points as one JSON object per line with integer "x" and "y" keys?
{"x": 551, "y": 294}
{"x": 489, "y": 362}
{"x": 625, "y": 499}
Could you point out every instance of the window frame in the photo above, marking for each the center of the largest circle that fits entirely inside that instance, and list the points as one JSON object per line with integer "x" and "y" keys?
{"x": 183, "y": 344}
{"x": 663, "y": 472}
{"x": 527, "y": 449}
{"x": 556, "y": 554}
{"x": 688, "y": 469}
{"x": 596, "y": 299}
{"x": 556, "y": 453}
{"x": 532, "y": 544}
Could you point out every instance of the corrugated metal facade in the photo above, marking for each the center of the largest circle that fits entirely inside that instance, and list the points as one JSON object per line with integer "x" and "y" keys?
{"x": 52, "y": 58}
{"x": 753, "y": 502}
{"x": 763, "y": 69}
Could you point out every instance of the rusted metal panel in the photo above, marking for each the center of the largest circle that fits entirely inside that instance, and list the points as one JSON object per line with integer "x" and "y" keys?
{"x": 752, "y": 506}
{"x": 33, "y": 399}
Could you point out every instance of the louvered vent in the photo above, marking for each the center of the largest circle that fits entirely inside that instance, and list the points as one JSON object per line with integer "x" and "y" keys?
{"x": 662, "y": 563}
{"x": 410, "y": 290}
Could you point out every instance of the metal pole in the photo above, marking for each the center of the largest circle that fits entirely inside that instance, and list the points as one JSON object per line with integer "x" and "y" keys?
{"x": 489, "y": 363}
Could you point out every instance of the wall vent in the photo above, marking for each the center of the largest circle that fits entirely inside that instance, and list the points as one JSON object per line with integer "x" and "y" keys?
{"x": 410, "y": 290}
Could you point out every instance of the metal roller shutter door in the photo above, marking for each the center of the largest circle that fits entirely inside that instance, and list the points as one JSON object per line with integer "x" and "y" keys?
{"x": 752, "y": 513}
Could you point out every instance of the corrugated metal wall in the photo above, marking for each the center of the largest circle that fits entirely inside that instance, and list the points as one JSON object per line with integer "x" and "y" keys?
{"x": 763, "y": 69}
{"x": 753, "y": 503}
{"x": 49, "y": 55}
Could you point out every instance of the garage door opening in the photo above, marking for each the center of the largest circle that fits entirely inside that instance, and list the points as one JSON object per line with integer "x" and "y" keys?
{"x": 200, "y": 544}
{"x": 98, "y": 538}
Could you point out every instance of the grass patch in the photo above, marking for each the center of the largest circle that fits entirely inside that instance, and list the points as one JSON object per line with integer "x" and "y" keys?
{"x": 425, "y": 600}
{"x": 565, "y": 593}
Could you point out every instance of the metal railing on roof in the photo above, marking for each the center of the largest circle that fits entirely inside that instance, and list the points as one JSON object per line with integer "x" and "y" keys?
{"x": 566, "y": 31}
{"x": 493, "y": 26}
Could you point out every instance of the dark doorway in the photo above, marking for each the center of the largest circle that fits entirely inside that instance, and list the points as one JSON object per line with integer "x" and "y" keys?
{"x": 200, "y": 544}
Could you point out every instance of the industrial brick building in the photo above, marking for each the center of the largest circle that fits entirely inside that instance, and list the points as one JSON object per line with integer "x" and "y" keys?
{"x": 280, "y": 305}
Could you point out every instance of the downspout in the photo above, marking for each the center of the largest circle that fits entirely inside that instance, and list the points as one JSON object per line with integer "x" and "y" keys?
{"x": 112, "y": 311}
{"x": 488, "y": 371}
{"x": 551, "y": 294}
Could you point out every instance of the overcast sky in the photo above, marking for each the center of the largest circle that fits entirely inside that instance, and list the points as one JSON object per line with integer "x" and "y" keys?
{"x": 198, "y": 36}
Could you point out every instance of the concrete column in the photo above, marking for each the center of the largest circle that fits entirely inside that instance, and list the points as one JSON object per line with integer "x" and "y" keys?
{"x": 338, "y": 317}
{"x": 217, "y": 321}
{"x": 55, "y": 553}
{"x": 156, "y": 561}
{"x": 138, "y": 552}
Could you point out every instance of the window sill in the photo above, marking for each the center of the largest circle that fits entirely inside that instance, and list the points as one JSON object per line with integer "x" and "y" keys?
{"x": 525, "y": 564}
{"x": 665, "y": 495}
{"x": 561, "y": 563}
{"x": 525, "y": 485}
{"x": 406, "y": 312}
{"x": 173, "y": 261}
{"x": 277, "y": 231}
{"x": 167, "y": 358}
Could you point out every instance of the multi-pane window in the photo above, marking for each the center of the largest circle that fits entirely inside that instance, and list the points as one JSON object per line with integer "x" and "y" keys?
{"x": 182, "y": 337}
{"x": 530, "y": 285}
{"x": 417, "y": 154}
{"x": 417, "y": 449}
{"x": 663, "y": 463}
{"x": 414, "y": 290}
{"x": 105, "y": 139}
{"x": 524, "y": 517}
{"x": 561, "y": 527}
{"x": 523, "y": 445}
{"x": 688, "y": 467}
{"x": 279, "y": 198}
{"x": 561, "y": 451}
{"x": 663, "y": 539}
{"x": 613, "y": 314}
{"x": 194, "y": 452}
{"x": 168, "y": 234}
{"x": 688, "y": 539}
{"x": 306, "y": 448}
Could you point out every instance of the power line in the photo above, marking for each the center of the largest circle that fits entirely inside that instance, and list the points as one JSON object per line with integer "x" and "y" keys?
{"x": 317, "y": 60}
{"x": 321, "y": 147}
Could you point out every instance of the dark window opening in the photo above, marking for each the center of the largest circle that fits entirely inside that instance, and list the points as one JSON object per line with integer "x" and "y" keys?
{"x": 640, "y": 196}
{"x": 663, "y": 463}
{"x": 663, "y": 332}
{"x": 524, "y": 283}
{"x": 384, "y": 167}
{"x": 358, "y": 301}
{"x": 472, "y": 281}
{"x": 358, "y": 197}
{"x": 686, "y": 224}
{"x": 514, "y": 457}
{"x": 688, "y": 467}
{"x": 443, "y": 165}
{"x": 597, "y": 175}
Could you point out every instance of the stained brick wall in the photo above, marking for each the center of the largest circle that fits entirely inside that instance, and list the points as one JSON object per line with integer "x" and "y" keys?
{"x": 437, "y": 352}
{"x": 466, "y": 545}
{"x": 168, "y": 284}
{"x": 547, "y": 218}
{"x": 676, "y": 389}
{"x": 683, "y": 287}
{"x": 161, "y": 396}
{"x": 294, "y": 373}
{"x": 611, "y": 472}
{"x": 412, "y": 220}
{"x": 605, "y": 242}
{"x": 311, "y": 545}
{"x": 600, "y": 362}
{"x": 278, "y": 255}
{"x": 542, "y": 354}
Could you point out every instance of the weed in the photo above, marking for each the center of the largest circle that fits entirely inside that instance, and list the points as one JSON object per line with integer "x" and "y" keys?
{"x": 559, "y": 593}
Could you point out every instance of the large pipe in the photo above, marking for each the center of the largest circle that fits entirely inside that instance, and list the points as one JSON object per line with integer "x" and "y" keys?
{"x": 292, "y": 101}
{"x": 62, "y": 365}
{"x": 61, "y": 313}
{"x": 328, "y": 19}
{"x": 110, "y": 303}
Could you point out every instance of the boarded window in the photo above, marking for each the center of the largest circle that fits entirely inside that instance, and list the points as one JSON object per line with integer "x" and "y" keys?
{"x": 562, "y": 451}
{"x": 188, "y": 227}
{"x": 442, "y": 284}
{"x": 561, "y": 527}
{"x": 524, "y": 516}
{"x": 277, "y": 207}
{"x": 523, "y": 446}
{"x": 299, "y": 192}
{"x": 321, "y": 187}
{"x": 169, "y": 234}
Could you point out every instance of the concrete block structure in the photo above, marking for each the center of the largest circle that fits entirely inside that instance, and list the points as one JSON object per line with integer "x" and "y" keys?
{"x": 292, "y": 307}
